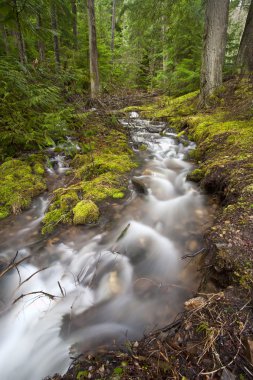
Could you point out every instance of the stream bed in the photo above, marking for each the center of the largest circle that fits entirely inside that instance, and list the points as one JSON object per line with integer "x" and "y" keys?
{"x": 101, "y": 285}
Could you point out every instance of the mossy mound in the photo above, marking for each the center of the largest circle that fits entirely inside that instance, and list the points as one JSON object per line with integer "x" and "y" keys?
{"x": 60, "y": 210}
{"x": 20, "y": 181}
{"x": 97, "y": 173}
{"x": 101, "y": 163}
{"x": 103, "y": 186}
{"x": 85, "y": 212}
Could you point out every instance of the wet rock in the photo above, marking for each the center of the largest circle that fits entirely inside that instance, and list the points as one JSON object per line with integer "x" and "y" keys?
{"x": 176, "y": 164}
{"x": 139, "y": 185}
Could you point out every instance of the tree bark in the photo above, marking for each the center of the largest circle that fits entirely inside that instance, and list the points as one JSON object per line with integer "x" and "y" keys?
{"x": 5, "y": 39}
{"x": 93, "y": 52}
{"x": 215, "y": 36}
{"x": 40, "y": 43}
{"x": 55, "y": 38}
{"x": 245, "y": 53}
{"x": 74, "y": 23}
{"x": 19, "y": 36}
{"x": 113, "y": 26}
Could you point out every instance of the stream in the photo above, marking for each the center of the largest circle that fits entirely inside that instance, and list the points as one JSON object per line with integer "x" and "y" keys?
{"x": 88, "y": 287}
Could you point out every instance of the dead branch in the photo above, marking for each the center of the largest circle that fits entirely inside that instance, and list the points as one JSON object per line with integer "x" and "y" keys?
{"x": 13, "y": 265}
{"x": 40, "y": 292}
{"x": 192, "y": 254}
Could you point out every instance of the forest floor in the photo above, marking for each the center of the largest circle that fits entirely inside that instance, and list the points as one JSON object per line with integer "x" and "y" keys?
{"x": 213, "y": 337}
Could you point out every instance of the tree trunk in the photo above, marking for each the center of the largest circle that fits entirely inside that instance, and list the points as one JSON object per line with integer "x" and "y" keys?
{"x": 113, "y": 26}
{"x": 74, "y": 23}
{"x": 245, "y": 54}
{"x": 216, "y": 23}
{"x": 5, "y": 39}
{"x": 40, "y": 43}
{"x": 19, "y": 36}
{"x": 94, "y": 74}
{"x": 55, "y": 38}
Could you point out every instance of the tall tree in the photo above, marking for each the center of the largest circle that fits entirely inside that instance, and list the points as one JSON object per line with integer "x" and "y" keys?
{"x": 245, "y": 54}
{"x": 40, "y": 43}
{"x": 19, "y": 34}
{"x": 215, "y": 35}
{"x": 113, "y": 25}
{"x": 54, "y": 24}
{"x": 74, "y": 22}
{"x": 93, "y": 51}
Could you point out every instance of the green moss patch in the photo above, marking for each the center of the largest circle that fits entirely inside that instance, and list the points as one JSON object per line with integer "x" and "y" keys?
{"x": 20, "y": 181}
{"x": 85, "y": 212}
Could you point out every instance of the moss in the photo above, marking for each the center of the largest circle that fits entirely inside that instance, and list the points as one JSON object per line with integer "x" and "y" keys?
{"x": 53, "y": 218}
{"x": 68, "y": 200}
{"x": 38, "y": 168}
{"x": 196, "y": 175}
{"x": 143, "y": 147}
{"x": 168, "y": 107}
{"x": 18, "y": 185}
{"x": 4, "y": 212}
{"x": 118, "y": 195}
{"x": 85, "y": 212}
{"x": 104, "y": 186}
{"x": 105, "y": 162}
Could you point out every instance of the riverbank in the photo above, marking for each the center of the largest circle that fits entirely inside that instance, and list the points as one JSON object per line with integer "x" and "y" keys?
{"x": 213, "y": 337}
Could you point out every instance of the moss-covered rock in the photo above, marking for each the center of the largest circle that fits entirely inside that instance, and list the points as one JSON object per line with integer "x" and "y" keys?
{"x": 68, "y": 200}
{"x": 85, "y": 212}
{"x": 196, "y": 175}
{"x": 104, "y": 186}
{"x": 19, "y": 183}
{"x": 101, "y": 163}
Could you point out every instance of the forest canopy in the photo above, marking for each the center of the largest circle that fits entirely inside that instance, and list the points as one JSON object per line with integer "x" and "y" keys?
{"x": 45, "y": 53}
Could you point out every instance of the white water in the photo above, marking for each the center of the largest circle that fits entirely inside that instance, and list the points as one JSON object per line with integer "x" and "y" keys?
{"x": 120, "y": 283}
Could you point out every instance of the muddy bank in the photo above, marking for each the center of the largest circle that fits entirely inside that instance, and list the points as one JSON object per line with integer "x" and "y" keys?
{"x": 213, "y": 337}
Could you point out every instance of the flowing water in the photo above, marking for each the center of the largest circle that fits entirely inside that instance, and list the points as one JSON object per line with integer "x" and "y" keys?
{"x": 93, "y": 286}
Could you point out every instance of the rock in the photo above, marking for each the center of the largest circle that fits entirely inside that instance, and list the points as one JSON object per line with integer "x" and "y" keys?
{"x": 176, "y": 164}
{"x": 139, "y": 185}
{"x": 194, "y": 303}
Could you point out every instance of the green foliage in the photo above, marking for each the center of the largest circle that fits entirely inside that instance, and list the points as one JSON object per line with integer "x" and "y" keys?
{"x": 33, "y": 113}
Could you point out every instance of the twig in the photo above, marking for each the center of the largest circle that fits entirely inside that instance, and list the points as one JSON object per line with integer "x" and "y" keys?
{"x": 28, "y": 278}
{"x": 13, "y": 265}
{"x": 50, "y": 296}
{"x": 193, "y": 254}
{"x": 62, "y": 292}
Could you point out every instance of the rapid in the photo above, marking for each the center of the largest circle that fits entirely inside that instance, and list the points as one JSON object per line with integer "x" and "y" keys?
{"x": 105, "y": 284}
